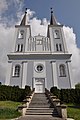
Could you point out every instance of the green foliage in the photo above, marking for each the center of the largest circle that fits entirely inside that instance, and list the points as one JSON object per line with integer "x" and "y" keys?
{"x": 13, "y": 93}
{"x": 77, "y": 86}
{"x": 27, "y": 90}
{"x": 8, "y": 113}
{"x": 9, "y": 104}
{"x": 73, "y": 111}
{"x": 8, "y": 110}
{"x": 55, "y": 91}
{"x": 67, "y": 95}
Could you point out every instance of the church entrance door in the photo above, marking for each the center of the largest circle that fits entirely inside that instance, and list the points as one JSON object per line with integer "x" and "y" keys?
{"x": 39, "y": 85}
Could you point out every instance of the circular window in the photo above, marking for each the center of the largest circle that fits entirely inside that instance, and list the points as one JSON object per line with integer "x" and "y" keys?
{"x": 39, "y": 68}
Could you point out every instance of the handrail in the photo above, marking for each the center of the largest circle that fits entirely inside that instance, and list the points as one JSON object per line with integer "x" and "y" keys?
{"x": 61, "y": 108}
{"x": 22, "y": 108}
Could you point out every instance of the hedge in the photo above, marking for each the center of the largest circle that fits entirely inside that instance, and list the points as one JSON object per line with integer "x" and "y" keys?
{"x": 13, "y": 93}
{"x": 67, "y": 95}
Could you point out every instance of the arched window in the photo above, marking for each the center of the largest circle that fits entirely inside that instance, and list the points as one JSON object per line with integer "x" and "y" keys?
{"x": 17, "y": 71}
{"x": 21, "y": 34}
{"x": 62, "y": 70}
{"x": 56, "y": 34}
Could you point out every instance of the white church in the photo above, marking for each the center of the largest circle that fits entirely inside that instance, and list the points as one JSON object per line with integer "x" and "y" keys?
{"x": 39, "y": 61}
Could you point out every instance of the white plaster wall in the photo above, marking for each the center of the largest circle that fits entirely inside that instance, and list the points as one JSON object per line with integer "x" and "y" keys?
{"x": 54, "y": 41}
{"x": 24, "y": 74}
{"x": 49, "y": 77}
{"x": 39, "y": 74}
{"x": 28, "y": 34}
{"x": 29, "y": 78}
{"x": 51, "y": 39}
{"x": 17, "y": 81}
{"x": 54, "y": 73}
{"x": 63, "y": 82}
{"x": 64, "y": 41}
{"x": 23, "y": 41}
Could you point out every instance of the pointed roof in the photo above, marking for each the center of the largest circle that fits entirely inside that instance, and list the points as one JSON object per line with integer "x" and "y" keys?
{"x": 53, "y": 19}
{"x": 23, "y": 22}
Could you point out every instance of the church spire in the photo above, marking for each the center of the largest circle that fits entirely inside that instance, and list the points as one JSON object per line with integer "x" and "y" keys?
{"x": 23, "y": 22}
{"x": 53, "y": 20}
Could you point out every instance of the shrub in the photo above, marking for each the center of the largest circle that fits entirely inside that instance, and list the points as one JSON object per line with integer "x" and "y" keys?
{"x": 55, "y": 91}
{"x": 13, "y": 93}
{"x": 77, "y": 86}
{"x": 67, "y": 95}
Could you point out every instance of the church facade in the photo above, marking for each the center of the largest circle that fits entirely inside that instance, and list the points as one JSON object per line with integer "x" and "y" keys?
{"x": 38, "y": 61}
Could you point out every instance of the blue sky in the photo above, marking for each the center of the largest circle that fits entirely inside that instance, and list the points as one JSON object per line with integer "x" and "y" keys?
{"x": 66, "y": 12}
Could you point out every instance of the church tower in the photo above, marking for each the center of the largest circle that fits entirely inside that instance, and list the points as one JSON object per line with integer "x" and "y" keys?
{"x": 38, "y": 61}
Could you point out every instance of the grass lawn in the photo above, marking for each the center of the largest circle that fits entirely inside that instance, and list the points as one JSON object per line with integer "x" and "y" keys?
{"x": 8, "y": 110}
{"x": 73, "y": 111}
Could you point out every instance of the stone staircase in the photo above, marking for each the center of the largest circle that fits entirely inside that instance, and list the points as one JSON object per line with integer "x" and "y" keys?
{"x": 40, "y": 105}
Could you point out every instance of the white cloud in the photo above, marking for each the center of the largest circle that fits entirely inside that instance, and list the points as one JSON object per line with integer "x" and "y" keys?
{"x": 10, "y": 11}
{"x": 19, "y": 5}
{"x": 38, "y": 26}
{"x": 6, "y": 45}
{"x": 70, "y": 38}
{"x": 3, "y": 6}
{"x": 39, "y": 29}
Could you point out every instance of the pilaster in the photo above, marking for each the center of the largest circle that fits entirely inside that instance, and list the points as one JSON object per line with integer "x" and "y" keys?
{"x": 54, "y": 74}
{"x": 69, "y": 72}
{"x": 24, "y": 74}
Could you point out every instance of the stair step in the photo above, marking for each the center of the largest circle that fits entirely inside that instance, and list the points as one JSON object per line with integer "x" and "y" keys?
{"x": 40, "y": 110}
{"x": 45, "y": 102}
{"x": 40, "y": 105}
{"x": 38, "y": 113}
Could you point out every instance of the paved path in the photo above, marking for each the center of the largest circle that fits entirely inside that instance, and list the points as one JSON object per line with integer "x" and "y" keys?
{"x": 39, "y": 117}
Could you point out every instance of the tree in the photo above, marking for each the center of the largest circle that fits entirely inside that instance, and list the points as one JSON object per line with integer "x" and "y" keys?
{"x": 77, "y": 86}
{"x": 0, "y": 83}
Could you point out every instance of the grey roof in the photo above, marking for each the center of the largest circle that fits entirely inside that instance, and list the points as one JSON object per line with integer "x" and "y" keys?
{"x": 53, "y": 19}
{"x": 23, "y": 22}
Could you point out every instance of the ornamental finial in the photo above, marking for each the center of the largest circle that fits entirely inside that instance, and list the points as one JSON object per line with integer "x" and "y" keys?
{"x": 51, "y": 10}
{"x": 26, "y": 11}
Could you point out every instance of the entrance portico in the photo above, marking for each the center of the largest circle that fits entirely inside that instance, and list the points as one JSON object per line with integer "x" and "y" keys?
{"x": 39, "y": 85}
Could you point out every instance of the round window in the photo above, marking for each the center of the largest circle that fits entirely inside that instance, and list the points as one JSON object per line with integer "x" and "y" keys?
{"x": 39, "y": 68}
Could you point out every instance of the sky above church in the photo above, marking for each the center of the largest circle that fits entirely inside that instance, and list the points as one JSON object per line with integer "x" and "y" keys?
{"x": 66, "y": 13}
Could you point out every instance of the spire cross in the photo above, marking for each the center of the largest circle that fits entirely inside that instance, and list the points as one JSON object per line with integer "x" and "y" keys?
{"x": 23, "y": 22}
{"x": 51, "y": 10}
{"x": 26, "y": 11}
{"x": 53, "y": 20}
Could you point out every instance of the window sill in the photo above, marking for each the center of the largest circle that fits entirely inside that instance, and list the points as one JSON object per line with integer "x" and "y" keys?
{"x": 63, "y": 76}
{"x": 20, "y": 38}
{"x": 57, "y": 38}
{"x": 16, "y": 76}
